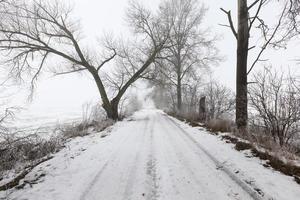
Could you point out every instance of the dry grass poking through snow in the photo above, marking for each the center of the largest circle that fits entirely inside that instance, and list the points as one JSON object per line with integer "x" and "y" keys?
{"x": 219, "y": 125}
{"x": 279, "y": 159}
{"x": 284, "y": 159}
{"x": 17, "y": 151}
{"x": 83, "y": 128}
{"x": 20, "y": 154}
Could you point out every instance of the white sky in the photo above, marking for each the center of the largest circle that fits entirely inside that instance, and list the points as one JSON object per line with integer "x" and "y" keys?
{"x": 68, "y": 93}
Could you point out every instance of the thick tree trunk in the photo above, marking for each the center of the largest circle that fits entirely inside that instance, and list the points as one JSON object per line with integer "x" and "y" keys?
{"x": 241, "y": 68}
{"x": 111, "y": 108}
{"x": 115, "y": 109}
{"x": 111, "y": 111}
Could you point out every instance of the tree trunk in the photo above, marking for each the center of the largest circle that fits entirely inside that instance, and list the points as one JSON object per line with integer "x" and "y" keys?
{"x": 179, "y": 96}
{"x": 241, "y": 68}
{"x": 111, "y": 108}
{"x": 111, "y": 111}
{"x": 115, "y": 109}
{"x": 202, "y": 109}
{"x": 178, "y": 89}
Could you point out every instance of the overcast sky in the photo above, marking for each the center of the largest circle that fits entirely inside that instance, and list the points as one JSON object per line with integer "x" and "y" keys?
{"x": 64, "y": 94}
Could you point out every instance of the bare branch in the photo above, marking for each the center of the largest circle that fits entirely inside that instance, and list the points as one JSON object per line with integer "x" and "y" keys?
{"x": 228, "y": 13}
{"x": 70, "y": 72}
{"x": 253, "y": 19}
{"x": 253, "y": 4}
{"x": 107, "y": 60}
{"x": 268, "y": 41}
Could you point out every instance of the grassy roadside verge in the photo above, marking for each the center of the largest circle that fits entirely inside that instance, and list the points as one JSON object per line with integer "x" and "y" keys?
{"x": 20, "y": 155}
{"x": 276, "y": 158}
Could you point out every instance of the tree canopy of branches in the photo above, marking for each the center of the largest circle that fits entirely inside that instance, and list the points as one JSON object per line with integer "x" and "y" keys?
{"x": 192, "y": 46}
{"x": 292, "y": 18}
{"x": 33, "y": 31}
{"x": 276, "y": 102}
{"x": 219, "y": 100}
{"x": 250, "y": 17}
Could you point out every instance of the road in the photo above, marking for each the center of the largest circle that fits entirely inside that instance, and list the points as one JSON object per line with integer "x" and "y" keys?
{"x": 146, "y": 157}
{"x": 156, "y": 160}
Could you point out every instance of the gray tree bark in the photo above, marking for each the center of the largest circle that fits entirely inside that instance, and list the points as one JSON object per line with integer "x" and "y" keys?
{"x": 241, "y": 73}
{"x": 179, "y": 92}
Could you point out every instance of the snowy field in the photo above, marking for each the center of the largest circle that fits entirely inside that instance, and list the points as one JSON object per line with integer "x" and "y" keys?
{"x": 153, "y": 156}
{"x": 43, "y": 122}
{"x": 46, "y": 117}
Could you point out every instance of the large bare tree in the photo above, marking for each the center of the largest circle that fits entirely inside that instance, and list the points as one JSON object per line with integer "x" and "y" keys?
{"x": 249, "y": 17}
{"x": 34, "y": 31}
{"x": 192, "y": 45}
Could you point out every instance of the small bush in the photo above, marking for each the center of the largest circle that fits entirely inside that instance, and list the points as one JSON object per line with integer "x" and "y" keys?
{"x": 93, "y": 120}
{"x": 191, "y": 116}
{"x": 83, "y": 128}
{"x": 74, "y": 130}
{"x": 257, "y": 135}
{"x": 219, "y": 125}
{"x": 15, "y": 150}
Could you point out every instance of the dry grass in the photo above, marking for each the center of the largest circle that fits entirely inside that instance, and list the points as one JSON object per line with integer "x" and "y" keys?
{"x": 83, "y": 128}
{"x": 219, "y": 125}
{"x": 283, "y": 159}
{"x": 93, "y": 120}
{"x": 276, "y": 157}
{"x": 17, "y": 150}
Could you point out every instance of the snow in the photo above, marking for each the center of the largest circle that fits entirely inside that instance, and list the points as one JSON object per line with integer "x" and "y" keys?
{"x": 43, "y": 127}
{"x": 153, "y": 156}
{"x": 270, "y": 182}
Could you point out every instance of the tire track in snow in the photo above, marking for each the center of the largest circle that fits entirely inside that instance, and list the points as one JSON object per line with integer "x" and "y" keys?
{"x": 163, "y": 167}
{"x": 151, "y": 170}
{"x": 220, "y": 165}
{"x": 132, "y": 174}
{"x": 186, "y": 165}
{"x": 111, "y": 158}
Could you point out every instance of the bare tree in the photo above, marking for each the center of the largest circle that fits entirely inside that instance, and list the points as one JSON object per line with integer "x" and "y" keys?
{"x": 191, "y": 90}
{"x": 249, "y": 17}
{"x": 192, "y": 45}
{"x": 276, "y": 103}
{"x": 219, "y": 100}
{"x": 34, "y": 31}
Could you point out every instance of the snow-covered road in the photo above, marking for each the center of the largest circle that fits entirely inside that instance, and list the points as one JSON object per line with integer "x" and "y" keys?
{"x": 156, "y": 161}
{"x": 152, "y": 157}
